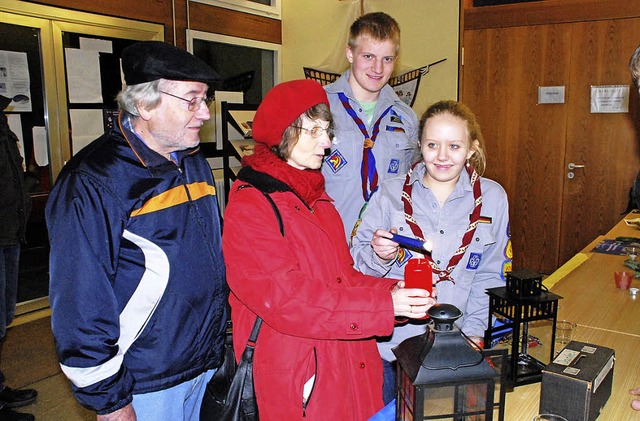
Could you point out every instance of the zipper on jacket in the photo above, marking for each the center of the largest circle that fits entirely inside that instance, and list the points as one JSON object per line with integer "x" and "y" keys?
{"x": 305, "y": 403}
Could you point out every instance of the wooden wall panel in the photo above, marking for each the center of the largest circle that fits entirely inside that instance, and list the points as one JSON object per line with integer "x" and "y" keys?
{"x": 227, "y": 22}
{"x": 202, "y": 17}
{"x": 525, "y": 142}
{"x": 547, "y": 12}
{"x": 155, "y": 11}
{"x": 530, "y": 145}
{"x": 607, "y": 144}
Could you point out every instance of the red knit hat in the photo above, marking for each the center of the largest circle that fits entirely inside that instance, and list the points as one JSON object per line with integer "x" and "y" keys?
{"x": 282, "y": 105}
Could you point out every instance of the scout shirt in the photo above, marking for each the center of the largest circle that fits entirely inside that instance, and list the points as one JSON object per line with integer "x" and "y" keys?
{"x": 395, "y": 147}
{"x": 483, "y": 265}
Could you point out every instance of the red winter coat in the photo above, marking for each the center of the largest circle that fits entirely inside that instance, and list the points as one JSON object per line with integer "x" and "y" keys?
{"x": 320, "y": 315}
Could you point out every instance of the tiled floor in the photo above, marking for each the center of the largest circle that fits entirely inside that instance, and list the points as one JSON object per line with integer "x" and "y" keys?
{"x": 29, "y": 361}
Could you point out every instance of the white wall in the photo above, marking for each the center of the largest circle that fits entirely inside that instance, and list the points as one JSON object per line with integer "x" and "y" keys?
{"x": 314, "y": 34}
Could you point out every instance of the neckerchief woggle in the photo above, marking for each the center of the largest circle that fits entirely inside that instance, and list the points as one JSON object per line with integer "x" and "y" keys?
{"x": 368, "y": 171}
{"x": 474, "y": 217}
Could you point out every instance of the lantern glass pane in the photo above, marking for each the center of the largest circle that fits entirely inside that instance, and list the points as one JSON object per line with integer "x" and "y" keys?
{"x": 406, "y": 397}
{"x": 439, "y": 401}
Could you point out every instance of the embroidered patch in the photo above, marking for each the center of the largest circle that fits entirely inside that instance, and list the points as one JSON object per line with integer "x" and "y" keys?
{"x": 485, "y": 220}
{"x": 507, "y": 266}
{"x": 394, "y": 166}
{"x": 508, "y": 250}
{"x": 395, "y": 129}
{"x": 474, "y": 261}
{"x": 403, "y": 256}
{"x": 335, "y": 161}
{"x": 395, "y": 118}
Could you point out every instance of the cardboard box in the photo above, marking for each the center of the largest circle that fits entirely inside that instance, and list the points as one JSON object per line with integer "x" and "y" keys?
{"x": 577, "y": 383}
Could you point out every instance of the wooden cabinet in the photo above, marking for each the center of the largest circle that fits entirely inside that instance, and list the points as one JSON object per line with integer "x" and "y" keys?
{"x": 530, "y": 145}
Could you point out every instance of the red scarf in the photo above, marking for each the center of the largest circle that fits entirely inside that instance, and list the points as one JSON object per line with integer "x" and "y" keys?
{"x": 308, "y": 184}
{"x": 445, "y": 275}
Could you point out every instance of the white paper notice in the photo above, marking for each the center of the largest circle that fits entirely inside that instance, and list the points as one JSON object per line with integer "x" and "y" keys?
{"x": 14, "y": 80}
{"x": 610, "y": 99}
{"x": 83, "y": 76}
{"x": 40, "y": 149}
{"x": 15, "y": 125}
{"x": 86, "y": 126}
{"x": 550, "y": 94}
{"x": 100, "y": 45}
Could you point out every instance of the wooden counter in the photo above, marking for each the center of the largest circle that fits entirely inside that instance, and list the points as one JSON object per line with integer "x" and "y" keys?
{"x": 605, "y": 315}
{"x": 590, "y": 295}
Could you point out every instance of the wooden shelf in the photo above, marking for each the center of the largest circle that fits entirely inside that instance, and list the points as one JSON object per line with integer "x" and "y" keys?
{"x": 242, "y": 147}
{"x": 235, "y": 148}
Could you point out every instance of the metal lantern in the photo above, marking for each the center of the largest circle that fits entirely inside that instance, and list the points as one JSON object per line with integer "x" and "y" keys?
{"x": 442, "y": 376}
{"x": 527, "y": 313}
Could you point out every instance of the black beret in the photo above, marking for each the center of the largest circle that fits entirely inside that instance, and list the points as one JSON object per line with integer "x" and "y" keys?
{"x": 147, "y": 61}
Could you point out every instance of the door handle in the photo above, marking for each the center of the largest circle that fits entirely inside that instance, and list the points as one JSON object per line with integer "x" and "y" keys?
{"x": 573, "y": 166}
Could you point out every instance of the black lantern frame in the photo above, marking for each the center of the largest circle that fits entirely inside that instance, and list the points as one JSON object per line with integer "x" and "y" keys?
{"x": 443, "y": 375}
{"x": 517, "y": 312}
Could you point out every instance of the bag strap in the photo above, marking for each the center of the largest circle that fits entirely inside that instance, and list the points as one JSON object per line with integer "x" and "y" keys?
{"x": 254, "y": 332}
{"x": 276, "y": 211}
{"x": 256, "y": 326}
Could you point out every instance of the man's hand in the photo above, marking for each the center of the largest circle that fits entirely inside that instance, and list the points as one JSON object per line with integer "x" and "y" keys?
{"x": 126, "y": 413}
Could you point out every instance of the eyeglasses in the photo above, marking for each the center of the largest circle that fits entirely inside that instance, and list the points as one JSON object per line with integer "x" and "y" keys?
{"x": 316, "y": 131}
{"x": 194, "y": 103}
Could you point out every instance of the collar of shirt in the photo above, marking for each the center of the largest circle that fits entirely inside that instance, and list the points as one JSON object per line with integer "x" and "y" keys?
{"x": 148, "y": 156}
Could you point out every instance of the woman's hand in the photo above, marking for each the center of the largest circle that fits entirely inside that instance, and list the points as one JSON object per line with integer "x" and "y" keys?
{"x": 411, "y": 302}
{"x": 386, "y": 249}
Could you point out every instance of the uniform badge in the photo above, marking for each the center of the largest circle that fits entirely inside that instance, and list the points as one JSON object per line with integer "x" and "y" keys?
{"x": 394, "y": 166}
{"x": 335, "y": 161}
{"x": 395, "y": 118}
{"x": 395, "y": 129}
{"x": 507, "y": 266}
{"x": 403, "y": 256}
{"x": 474, "y": 261}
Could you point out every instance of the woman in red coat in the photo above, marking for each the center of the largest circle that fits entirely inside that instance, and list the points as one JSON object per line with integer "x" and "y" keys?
{"x": 316, "y": 356}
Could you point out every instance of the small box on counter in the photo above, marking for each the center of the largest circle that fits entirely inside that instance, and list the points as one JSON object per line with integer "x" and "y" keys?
{"x": 577, "y": 383}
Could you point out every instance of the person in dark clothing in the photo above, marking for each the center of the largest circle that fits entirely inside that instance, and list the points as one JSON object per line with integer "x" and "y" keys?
{"x": 14, "y": 206}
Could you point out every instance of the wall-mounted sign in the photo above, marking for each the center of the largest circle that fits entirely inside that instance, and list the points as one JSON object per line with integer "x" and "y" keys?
{"x": 550, "y": 94}
{"x": 610, "y": 99}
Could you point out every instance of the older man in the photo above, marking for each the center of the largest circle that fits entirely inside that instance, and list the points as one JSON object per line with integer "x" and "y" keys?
{"x": 137, "y": 291}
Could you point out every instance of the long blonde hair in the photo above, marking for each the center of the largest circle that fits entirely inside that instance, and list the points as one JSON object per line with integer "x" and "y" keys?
{"x": 457, "y": 109}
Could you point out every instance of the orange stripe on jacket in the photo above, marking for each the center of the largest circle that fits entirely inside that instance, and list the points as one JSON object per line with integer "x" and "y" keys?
{"x": 176, "y": 196}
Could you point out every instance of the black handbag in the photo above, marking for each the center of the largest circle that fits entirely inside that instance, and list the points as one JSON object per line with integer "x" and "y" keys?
{"x": 229, "y": 395}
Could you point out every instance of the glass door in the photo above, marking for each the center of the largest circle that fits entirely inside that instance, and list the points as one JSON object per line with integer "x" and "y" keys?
{"x": 37, "y": 44}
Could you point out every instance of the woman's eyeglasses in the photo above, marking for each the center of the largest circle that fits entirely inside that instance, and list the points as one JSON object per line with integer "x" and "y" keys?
{"x": 194, "y": 103}
{"x": 316, "y": 131}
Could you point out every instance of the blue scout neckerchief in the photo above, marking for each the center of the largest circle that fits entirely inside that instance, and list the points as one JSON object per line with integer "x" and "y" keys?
{"x": 368, "y": 171}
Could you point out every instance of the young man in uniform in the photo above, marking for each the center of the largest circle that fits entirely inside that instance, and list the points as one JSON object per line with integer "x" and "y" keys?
{"x": 376, "y": 133}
